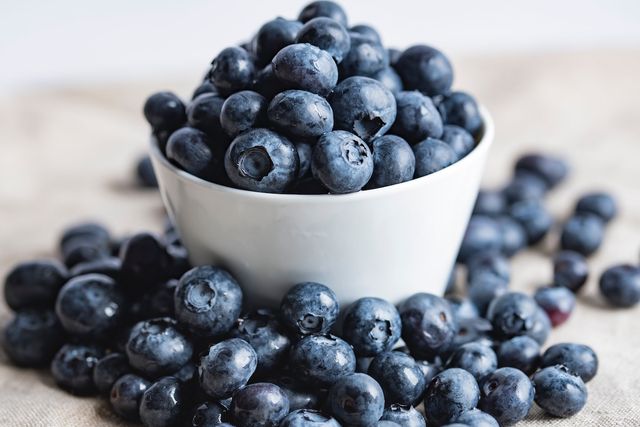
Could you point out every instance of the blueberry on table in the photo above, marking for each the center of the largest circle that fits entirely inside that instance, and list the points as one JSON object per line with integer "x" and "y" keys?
{"x": 308, "y": 418}
{"x": 342, "y": 162}
{"x": 620, "y": 285}
{"x": 507, "y": 395}
{"x": 489, "y": 202}
{"x": 484, "y": 288}
{"x": 366, "y": 31}
{"x": 476, "y": 418}
{"x": 205, "y": 87}
{"x": 482, "y": 235}
{"x": 227, "y": 367}
{"x": 525, "y": 186}
{"x": 600, "y": 204}
{"x": 533, "y": 217}
{"x": 110, "y": 266}
{"x": 432, "y": 155}
{"x": 163, "y": 403}
{"x": 512, "y": 314}
{"x": 521, "y": 352}
{"x": 194, "y": 151}
{"x": 32, "y": 337}
{"x": 390, "y": 79}
{"x": 363, "y": 106}
{"x": 274, "y": 36}
{"x": 540, "y": 326}
{"x": 514, "y": 238}
{"x": 306, "y": 67}
{"x": 322, "y": 359}
{"x": 356, "y": 400}
{"x": 267, "y": 84}
{"x": 582, "y": 233}
{"x": 417, "y": 118}
{"x": 559, "y": 392}
{"x": 462, "y": 308}
{"x": 461, "y": 109}
{"x": 426, "y": 69}
{"x": 300, "y": 114}
{"x": 300, "y": 396}
{"x": 488, "y": 262}
{"x": 108, "y": 370}
{"x": 552, "y": 170}
{"x": 72, "y": 368}
{"x": 477, "y": 359}
{"x": 365, "y": 57}
{"x": 92, "y": 231}
{"x": 232, "y": 70}
{"x": 262, "y": 160}
{"x": 208, "y": 414}
{"x": 242, "y": 111}
{"x": 208, "y": 300}
{"x": 399, "y": 376}
{"x": 305, "y": 151}
{"x": 145, "y": 176}
{"x": 470, "y": 331}
{"x": 156, "y": 347}
{"x": 579, "y": 359}
{"x": 259, "y": 405}
{"x": 558, "y": 302}
{"x": 326, "y": 34}
{"x": 458, "y": 139}
{"x": 164, "y": 111}
{"x": 84, "y": 242}
{"x": 393, "y": 161}
{"x": 126, "y": 394}
{"x": 323, "y": 8}
{"x": 406, "y": 416}
{"x": 570, "y": 270}
{"x": 34, "y": 284}
{"x": 450, "y": 393}
{"x": 371, "y": 326}
{"x": 203, "y": 113}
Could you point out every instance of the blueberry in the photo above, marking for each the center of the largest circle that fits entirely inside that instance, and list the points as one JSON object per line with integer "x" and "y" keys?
{"x": 204, "y": 113}
{"x": 306, "y": 67}
{"x": 432, "y": 155}
{"x": 109, "y": 266}
{"x": 193, "y": 151}
{"x": 507, "y": 395}
{"x": 342, "y": 162}
{"x": 356, "y": 400}
{"x": 145, "y": 261}
{"x": 232, "y": 70}
{"x": 533, "y": 217}
{"x": 363, "y": 363}
{"x": 299, "y": 395}
{"x": 300, "y": 114}
{"x": 72, "y": 368}
{"x": 209, "y": 414}
{"x": 557, "y": 302}
{"x": 512, "y": 314}
{"x": 304, "y": 155}
{"x": 425, "y": 69}
{"x": 399, "y": 376}
{"x": 450, "y": 393}
{"x": 389, "y": 79}
{"x": 514, "y": 238}
{"x": 242, "y": 111}
{"x": 552, "y": 170}
{"x": 157, "y": 302}
{"x": 366, "y": 31}
{"x": 485, "y": 288}
{"x": 261, "y": 160}
{"x": 84, "y": 242}
{"x": 308, "y": 418}
{"x": 155, "y": 347}
{"x": 208, "y": 300}
{"x": 274, "y": 36}
{"x": 600, "y": 204}
{"x": 492, "y": 263}
{"x": 476, "y": 418}
{"x": 327, "y": 9}
{"x": 259, "y": 405}
{"x": 540, "y": 326}
{"x": 472, "y": 330}
{"x": 582, "y": 233}
{"x": 187, "y": 374}
{"x": 525, "y": 186}
{"x": 461, "y": 109}
{"x": 108, "y": 370}
{"x": 462, "y": 308}
{"x": 579, "y": 359}
{"x": 164, "y": 111}
{"x": 482, "y": 235}
{"x": 90, "y": 306}
{"x": 267, "y": 84}
{"x": 227, "y": 367}
{"x": 620, "y": 285}
{"x": 477, "y": 359}
{"x": 34, "y": 284}
{"x": 371, "y": 326}
{"x": 366, "y": 57}
{"x": 309, "y": 308}
{"x": 405, "y": 416}
{"x": 570, "y": 270}
{"x": 393, "y": 161}
{"x": 126, "y": 394}
{"x": 261, "y": 329}
{"x": 205, "y": 87}
{"x": 417, "y": 118}
{"x": 33, "y": 337}
{"x": 145, "y": 176}
{"x": 428, "y": 326}
{"x": 458, "y": 139}
{"x": 162, "y": 404}
{"x": 559, "y": 392}
{"x": 327, "y": 34}
{"x": 322, "y": 359}
{"x": 489, "y": 202}
{"x": 92, "y": 231}
{"x": 521, "y": 352}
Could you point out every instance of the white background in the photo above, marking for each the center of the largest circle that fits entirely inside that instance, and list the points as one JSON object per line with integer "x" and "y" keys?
{"x": 43, "y": 42}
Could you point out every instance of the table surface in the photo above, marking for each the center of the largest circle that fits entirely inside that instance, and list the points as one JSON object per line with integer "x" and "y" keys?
{"x": 67, "y": 155}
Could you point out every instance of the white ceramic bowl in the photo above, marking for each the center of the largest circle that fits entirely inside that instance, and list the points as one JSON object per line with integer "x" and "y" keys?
{"x": 389, "y": 242}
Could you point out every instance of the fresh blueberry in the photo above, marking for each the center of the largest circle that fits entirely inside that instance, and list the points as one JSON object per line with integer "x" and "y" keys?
{"x": 309, "y": 308}
{"x": 91, "y": 231}
{"x": 109, "y": 266}
{"x": 582, "y": 233}
{"x": 514, "y": 238}
{"x": 485, "y": 288}
{"x": 492, "y": 263}
{"x": 559, "y": 392}
{"x": 306, "y": 67}
{"x": 507, "y": 395}
{"x": 489, "y": 202}
{"x": 540, "y": 326}
{"x": 322, "y": 359}
{"x": 461, "y": 109}
{"x": 426, "y": 69}
{"x": 300, "y": 396}
{"x": 476, "y": 418}
{"x": 366, "y": 57}
{"x": 327, "y": 34}
{"x": 300, "y": 114}
{"x": 33, "y": 337}
{"x": 242, "y": 111}
{"x": 208, "y": 300}
{"x": 521, "y": 352}
{"x": 450, "y": 393}
{"x": 34, "y": 284}
{"x": 371, "y": 326}
{"x": 145, "y": 176}
{"x": 417, "y": 118}
{"x": 327, "y": 9}
{"x": 462, "y": 308}
{"x": 432, "y": 155}
{"x": 261, "y": 160}
{"x": 600, "y": 204}
{"x": 366, "y": 31}
{"x": 458, "y": 139}
{"x": 399, "y": 376}
{"x": 261, "y": 329}
{"x": 525, "y": 186}
{"x": 108, "y": 370}
{"x": 620, "y": 285}
{"x": 477, "y": 359}
{"x": 227, "y": 367}
{"x": 274, "y": 36}
{"x": 579, "y": 359}
{"x": 205, "y": 87}
{"x": 533, "y": 217}
{"x": 342, "y": 162}
{"x": 482, "y": 235}
{"x": 208, "y": 414}
{"x": 126, "y": 394}
{"x": 356, "y": 400}
{"x": 305, "y": 151}
{"x": 192, "y": 150}
{"x": 570, "y": 270}
{"x": 405, "y": 416}
{"x": 308, "y": 418}
{"x": 363, "y": 106}
{"x": 259, "y": 405}
{"x": 557, "y": 302}
{"x": 84, "y": 242}
{"x": 145, "y": 261}
{"x": 389, "y": 79}
{"x": 472, "y": 330}
{"x": 232, "y": 70}
{"x": 428, "y": 325}
{"x": 187, "y": 374}
{"x": 90, "y": 306}
{"x": 267, "y": 84}
{"x": 155, "y": 347}
{"x": 163, "y": 403}
{"x": 393, "y": 161}
{"x": 72, "y": 368}
{"x": 512, "y": 314}
{"x": 164, "y": 111}
{"x": 204, "y": 113}
{"x": 553, "y": 170}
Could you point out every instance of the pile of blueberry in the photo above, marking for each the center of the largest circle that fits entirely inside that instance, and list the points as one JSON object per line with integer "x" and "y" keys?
{"x": 313, "y": 106}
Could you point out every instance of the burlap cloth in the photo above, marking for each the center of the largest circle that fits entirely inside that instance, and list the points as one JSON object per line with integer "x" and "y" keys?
{"x": 66, "y": 154}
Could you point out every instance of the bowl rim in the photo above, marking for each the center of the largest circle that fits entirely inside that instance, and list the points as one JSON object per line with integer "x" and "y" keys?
{"x": 484, "y": 143}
